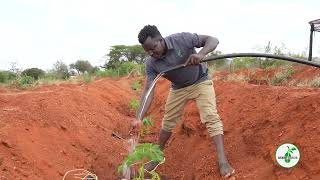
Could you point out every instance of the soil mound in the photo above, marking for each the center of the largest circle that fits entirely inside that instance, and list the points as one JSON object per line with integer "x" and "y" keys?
{"x": 53, "y": 129}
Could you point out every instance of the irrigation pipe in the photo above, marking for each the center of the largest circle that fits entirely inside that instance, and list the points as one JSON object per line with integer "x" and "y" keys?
{"x": 272, "y": 56}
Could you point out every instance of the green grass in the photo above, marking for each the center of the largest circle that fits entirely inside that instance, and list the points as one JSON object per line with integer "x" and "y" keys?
{"x": 282, "y": 77}
{"x": 87, "y": 78}
{"x": 136, "y": 86}
{"x": 315, "y": 82}
{"x": 134, "y": 104}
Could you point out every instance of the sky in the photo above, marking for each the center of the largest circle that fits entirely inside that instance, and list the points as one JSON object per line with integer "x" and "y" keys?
{"x": 37, "y": 33}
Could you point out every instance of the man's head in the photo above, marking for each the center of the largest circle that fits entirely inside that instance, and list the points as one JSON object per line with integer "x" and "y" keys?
{"x": 152, "y": 41}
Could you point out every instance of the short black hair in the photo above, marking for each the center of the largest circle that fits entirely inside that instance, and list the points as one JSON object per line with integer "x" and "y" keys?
{"x": 148, "y": 31}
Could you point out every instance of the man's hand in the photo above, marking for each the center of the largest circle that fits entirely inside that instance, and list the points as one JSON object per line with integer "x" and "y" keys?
{"x": 136, "y": 125}
{"x": 194, "y": 59}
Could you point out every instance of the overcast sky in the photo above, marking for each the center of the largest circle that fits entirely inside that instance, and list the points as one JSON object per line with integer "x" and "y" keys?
{"x": 37, "y": 33}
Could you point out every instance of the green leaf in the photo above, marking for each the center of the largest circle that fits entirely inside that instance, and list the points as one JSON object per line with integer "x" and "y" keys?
{"x": 147, "y": 122}
{"x": 120, "y": 168}
{"x": 142, "y": 153}
{"x": 287, "y": 157}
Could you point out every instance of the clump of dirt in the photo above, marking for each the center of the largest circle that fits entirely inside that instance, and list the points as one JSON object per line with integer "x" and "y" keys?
{"x": 47, "y": 131}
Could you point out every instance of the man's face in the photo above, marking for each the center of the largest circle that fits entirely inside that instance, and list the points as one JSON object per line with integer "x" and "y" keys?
{"x": 154, "y": 47}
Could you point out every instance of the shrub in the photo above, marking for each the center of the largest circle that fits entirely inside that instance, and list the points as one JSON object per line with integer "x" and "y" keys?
{"x": 22, "y": 82}
{"x": 101, "y": 74}
{"x": 282, "y": 77}
{"x": 87, "y": 78}
{"x": 109, "y": 73}
{"x": 312, "y": 83}
{"x": 272, "y": 63}
{"x": 33, "y": 72}
{"x": 315, "y": 82}
{"x": 122, "y": 69}
{"x": 6, "y": 76}
{"x": 60, "y": 70}
{"x": 243, "y": 63}
{"x": 26, "y": 81}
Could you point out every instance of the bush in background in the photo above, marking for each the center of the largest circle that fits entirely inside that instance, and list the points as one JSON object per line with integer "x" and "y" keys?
{"x": 6, "y": 76}
{"x": 36, "y": 73}
{"x": 87, "y": 78}
{"x": 60, "y": 70}
{"x": 282, "y": 77}
{"x": 123, "y": 69}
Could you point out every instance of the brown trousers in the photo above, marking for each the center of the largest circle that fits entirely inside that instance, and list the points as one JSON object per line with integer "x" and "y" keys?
{"x": 204, "y": 95}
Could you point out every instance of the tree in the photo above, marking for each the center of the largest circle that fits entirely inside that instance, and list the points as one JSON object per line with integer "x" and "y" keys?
{"x": 94, "y": 69}
{"x": 36, "y": 73}
{"x": 270, "y": 49}
{"x": 14, "y": 67}
{"x": 60, "y": 69}
{"x": 135, "y": 53}
{"x": 82, "y": 66}
{"x": 122, "y": 53}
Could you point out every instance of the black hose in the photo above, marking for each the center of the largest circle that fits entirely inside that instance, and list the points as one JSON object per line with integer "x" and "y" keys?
{"x": 285, "y": 58}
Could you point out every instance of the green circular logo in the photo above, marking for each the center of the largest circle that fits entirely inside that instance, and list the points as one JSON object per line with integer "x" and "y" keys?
{"x": 287, "y": 155}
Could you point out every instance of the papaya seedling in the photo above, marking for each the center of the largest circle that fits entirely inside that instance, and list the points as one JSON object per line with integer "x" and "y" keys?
{"x": 146, "y": 124}
{"x": 136, "y": 86}
{"x": 141, "y": 155}
{"x": 134, "y": 104}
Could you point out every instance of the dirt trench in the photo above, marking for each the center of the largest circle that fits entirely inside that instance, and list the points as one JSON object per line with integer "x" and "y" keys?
{"x": 52, "y": 129}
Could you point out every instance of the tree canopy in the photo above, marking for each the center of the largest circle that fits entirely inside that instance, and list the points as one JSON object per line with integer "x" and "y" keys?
{"x": 36, "y": 73}
{"x": 123, "y": 53}
{"x": 82, "y": 66}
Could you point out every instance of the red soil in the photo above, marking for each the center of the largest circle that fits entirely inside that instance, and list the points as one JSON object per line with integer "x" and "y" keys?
{"x": 47, "y": 131}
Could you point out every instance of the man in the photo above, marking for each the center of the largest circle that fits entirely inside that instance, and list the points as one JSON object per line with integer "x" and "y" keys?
{"x": 190, "y": 82}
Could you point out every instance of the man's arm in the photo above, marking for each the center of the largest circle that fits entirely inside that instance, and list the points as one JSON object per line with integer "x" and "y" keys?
{"x": 208, "y": 43}
{"x": 141, "y": 112}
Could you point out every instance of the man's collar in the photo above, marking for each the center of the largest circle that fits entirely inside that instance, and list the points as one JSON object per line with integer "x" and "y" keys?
{"x": 168, "y": 43}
